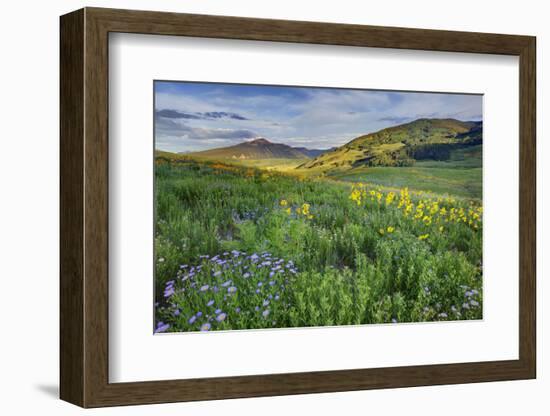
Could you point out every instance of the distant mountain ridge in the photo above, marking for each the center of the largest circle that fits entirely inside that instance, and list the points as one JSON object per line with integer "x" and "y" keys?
{"x": 402, "y": 145}
{"x": 260, "y": 148}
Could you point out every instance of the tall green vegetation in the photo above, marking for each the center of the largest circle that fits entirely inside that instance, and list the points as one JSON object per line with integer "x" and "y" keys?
{"x": 240, "y": 248}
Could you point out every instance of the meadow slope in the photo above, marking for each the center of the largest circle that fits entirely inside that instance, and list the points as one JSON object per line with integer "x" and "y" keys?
{"x": 239, "y": 247}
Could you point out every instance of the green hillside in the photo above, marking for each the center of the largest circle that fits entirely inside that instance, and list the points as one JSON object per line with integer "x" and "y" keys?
{"x": 403, "y": 145}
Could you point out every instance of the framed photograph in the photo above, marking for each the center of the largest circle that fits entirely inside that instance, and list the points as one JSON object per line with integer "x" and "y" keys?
{"x": 255, "y": 207}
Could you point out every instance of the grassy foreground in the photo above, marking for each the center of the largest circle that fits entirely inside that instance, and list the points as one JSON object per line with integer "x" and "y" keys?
{"x": 242, "y": 248}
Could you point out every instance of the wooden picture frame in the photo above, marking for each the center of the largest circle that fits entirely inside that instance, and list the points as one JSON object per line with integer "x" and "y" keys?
{"x": 84, "y": 207}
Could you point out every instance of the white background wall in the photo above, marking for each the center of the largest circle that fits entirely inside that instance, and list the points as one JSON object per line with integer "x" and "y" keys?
{"x": 29, "y": 159}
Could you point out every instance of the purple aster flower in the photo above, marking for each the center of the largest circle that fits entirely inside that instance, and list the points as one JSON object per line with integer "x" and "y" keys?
{"x": 257, "y": 308}
{"x": 265, "y": 313}
{"x": 271, "y": 274}
{"x": 198, "y": 314}
{"x": 277, "y": 297}
{"x": 176, "y": 312}
{"x": 161, "y": 327}
{"x": 221, "y": 317}
{"x": 192, "y": 319}
{"x": 442, "y": 315}
{"x": 238, "y": 310}
{"x": 246, "y": 275}
{"x": 225, "y": 284}
{"x": 183, "y": 266}
{"x": 231, "y": 289}
{"x": 218, "y": 273}
{"x": 474, "y": 303}
{"x": 210, "y": 302}
{"x": 266, "y": 302}
{"x": 206, "y": 327}
{"x": 169, "y": 292}
{"x": 465, "y": 305}
{"x": 260, "y": 284}
{"x": 272, "y": 283}
{"x": 217, "y": 311}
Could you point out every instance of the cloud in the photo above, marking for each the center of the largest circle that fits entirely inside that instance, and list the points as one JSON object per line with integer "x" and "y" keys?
{"x": 223, "y": 134}
{"x": 177, "y": 129}
{"x": 313, "y": 117}
{"x": 396, "y": 120}
{"x": 209, "y": 115}
{"x": 222, "y": 114}
{"x": 166, "y": 113}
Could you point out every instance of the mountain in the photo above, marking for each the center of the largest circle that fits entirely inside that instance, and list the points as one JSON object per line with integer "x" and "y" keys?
{"x": 311, "y": 153}
{"x": 259, "y": 149}
{"x": 402, "y": 145}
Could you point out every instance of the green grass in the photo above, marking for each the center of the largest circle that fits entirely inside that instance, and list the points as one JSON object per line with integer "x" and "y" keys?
{"x": 340, "y": 262}
{"x": 442, "y": 180}
{"x": 270, "y": 164}
{"x": 461, "y": 175}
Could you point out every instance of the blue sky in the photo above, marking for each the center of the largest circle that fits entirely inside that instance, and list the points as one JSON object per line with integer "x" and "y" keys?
{"x": 199, "y": 116}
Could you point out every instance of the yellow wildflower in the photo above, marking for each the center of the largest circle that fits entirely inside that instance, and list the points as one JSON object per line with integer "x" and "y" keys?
{"x": 356, "y": 196}
{"x": 390, "y": 229}
{"x": 284, "y": 202}
{"x": 423, "y": 236}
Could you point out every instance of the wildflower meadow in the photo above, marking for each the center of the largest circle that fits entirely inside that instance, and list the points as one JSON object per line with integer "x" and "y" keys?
{"x": 239, "y": 247}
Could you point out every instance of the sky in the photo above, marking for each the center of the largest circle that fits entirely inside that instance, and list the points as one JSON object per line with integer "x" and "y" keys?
{"x": 199, "y": 116}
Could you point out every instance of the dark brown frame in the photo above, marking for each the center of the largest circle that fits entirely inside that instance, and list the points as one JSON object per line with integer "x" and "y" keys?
{"x": 84, "y": 207}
